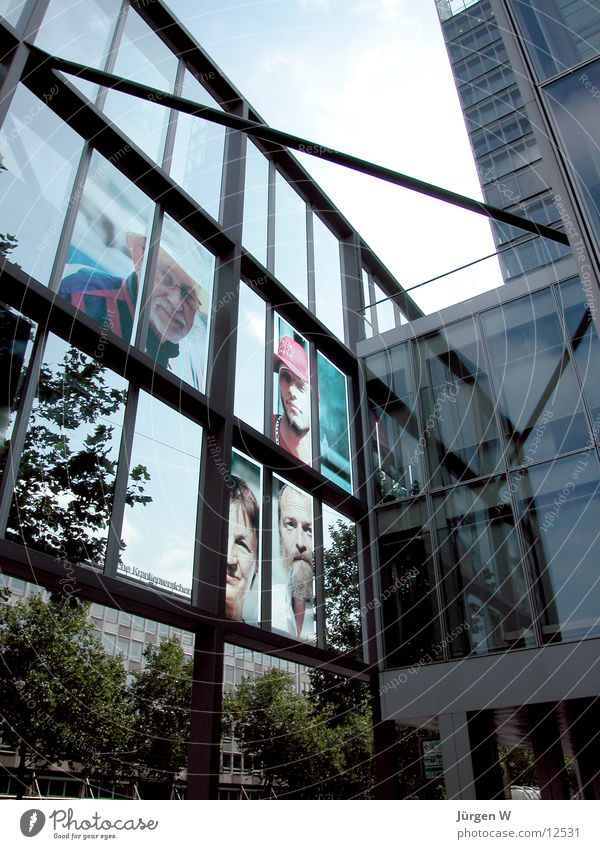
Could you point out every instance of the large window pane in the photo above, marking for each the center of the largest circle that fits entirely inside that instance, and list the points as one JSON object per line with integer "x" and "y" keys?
{"x": 291, "y": 392}
{"x": 408, "y": 601}
{"x": 242, "y": 593}
{"x": 342, "y": 584}
{"x": 397, "y": 445}
{"x": 333, "y": 423}
{"x": 143, "y": 58}
{"x": 292, "y": 590}
{"x": 256, "y": 203}
{"x": 159, "y": 530}
{"x": 458, "y": 407}
{"x": 250, "y": 359}
{"x": 538, "y": 396}
{"x": 16, "y": 338}
{"x": 577, "y": 311}
{"x": 64, "y": 492}
{"x": 560, "y": 507}
{"x": 559, "y": 34}
{"x": 197, "y": 164}
{"x": 290, "y": 239}
{"x": 81, "y": 32}
{"x": 483, "y": 579}
{"x": 105, "y": 258}
{"x": 38, "y": 157}
{"x": 328, "y": 278}
{"x": 573, "y": 102}
{"x": 179, "y": 303}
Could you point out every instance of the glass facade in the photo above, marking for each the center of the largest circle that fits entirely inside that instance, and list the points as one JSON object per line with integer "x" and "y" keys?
{"x": 508, "y": 401}
{"x": 560, "y": 33}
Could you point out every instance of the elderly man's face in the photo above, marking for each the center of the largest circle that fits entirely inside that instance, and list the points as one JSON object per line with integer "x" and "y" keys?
{"x": 173, "y": 302}
{"x": 295, "y": 527}
{"x": 295, "y": 397}
{"x": 242, "y": 564}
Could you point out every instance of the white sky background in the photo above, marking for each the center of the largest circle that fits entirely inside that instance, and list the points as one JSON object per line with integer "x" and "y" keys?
{"x": 370, "y": 78}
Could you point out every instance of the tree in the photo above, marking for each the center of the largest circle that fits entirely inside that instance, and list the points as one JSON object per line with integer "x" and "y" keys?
{"x": 62, "y": 697}
{"x": 294, "y": 747}
{"x": 63, "y": 495}
{"x": 161, "y": 699}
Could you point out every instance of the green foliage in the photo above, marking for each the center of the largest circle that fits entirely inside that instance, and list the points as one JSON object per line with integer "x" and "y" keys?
{"x": 62, "y": 697}
{"x": 518, "y": 765}
{"x": 65, "y": 486}
{"x": 295, "y": 748}
{"x": 161, "y": 698}
{"x": 342, "y": 601}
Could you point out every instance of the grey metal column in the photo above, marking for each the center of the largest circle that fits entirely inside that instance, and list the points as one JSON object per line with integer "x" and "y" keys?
{"x": 212, "y": 527}
{"x": 459, "y": 776}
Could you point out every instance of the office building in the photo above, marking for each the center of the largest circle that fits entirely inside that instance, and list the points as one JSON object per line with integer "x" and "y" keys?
{"x": 204, "y": 387}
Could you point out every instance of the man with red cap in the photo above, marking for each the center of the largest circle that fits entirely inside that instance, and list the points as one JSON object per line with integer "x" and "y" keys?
{"x": 291, "y": 429}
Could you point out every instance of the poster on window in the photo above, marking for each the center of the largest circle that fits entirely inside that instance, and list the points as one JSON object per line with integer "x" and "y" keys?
{"x": 242, "y": 591}
{"x": 292, "y": 589}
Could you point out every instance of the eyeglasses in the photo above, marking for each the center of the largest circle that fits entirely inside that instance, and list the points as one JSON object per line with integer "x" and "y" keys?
{"x": 166, "y": 278}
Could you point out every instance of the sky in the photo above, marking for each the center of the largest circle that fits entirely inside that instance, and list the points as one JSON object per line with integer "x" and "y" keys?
{"x": 370, "y": 78}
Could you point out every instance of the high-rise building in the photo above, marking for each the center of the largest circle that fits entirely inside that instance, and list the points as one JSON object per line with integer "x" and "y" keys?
{"x": 487, "y": 563}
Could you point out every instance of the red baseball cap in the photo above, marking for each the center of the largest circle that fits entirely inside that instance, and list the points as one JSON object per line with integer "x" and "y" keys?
{"x": 292, "y": 356}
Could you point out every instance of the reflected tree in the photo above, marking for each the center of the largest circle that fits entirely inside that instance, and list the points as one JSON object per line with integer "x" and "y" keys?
{"x": 62, "y": 698}
{"x": 64, "y": 491}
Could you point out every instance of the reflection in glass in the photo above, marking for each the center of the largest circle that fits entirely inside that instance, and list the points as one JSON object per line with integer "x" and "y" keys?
{"x": 333, "y": 423}
{"x": 559, "y": 503}
{"x": 65, "y": 485}
{"x": 579, "y": 320}
{"x": 11, "y": 10}
{"x": 342, "y": 584}
{"x": 291, "y": 392}
{"x": 573, "y": 102}
{"x": 16, "y": 338}
{"x": 559, "y": 34}
{"x": 242, "y": 592}
{"x": 328, "y": 278}
{"x": 368, "y": 311}
{"x": 411, "y": 620}
{"x": 250, "y": 359}
{"x": 256, "y": 203}
{"x": 159, "y": 532}
{"x": 292, "y": 590}
{"x": 105, "y": 257}
{"x": 397, "y": 446}
{"x": 197, "y": 163}
{"x": 386, "y": 318}
{"x": 483, "y": 579}
{"x": 80, "y": 32}
{"x": 539, "y": 398}
{"x": 38, "y": 158}
{"x": 458, "y": 409}
{"x": 143, "y": 58}
{"x": 179, "y": 302}
{"x": 290, "y": 239}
